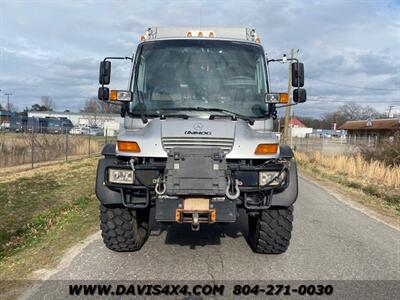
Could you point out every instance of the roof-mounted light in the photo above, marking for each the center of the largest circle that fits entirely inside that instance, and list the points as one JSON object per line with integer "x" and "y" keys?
{"x": 200, "y": 34}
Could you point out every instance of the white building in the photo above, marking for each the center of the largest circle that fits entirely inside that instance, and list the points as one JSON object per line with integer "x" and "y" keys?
{"x": 300, "y": 132}
{"x": 298, "y": 129}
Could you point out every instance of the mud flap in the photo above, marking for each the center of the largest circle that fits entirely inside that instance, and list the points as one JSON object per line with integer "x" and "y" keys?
{"x": 289, "y": 195}
{"x": 103, "y": 193}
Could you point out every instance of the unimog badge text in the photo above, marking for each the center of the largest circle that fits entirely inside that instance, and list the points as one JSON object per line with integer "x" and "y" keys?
{"x": 198, "y": 132}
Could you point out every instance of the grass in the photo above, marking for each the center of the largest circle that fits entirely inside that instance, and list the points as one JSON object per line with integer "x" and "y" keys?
{"x": 44, "y": 211}
{"x": 373, "y": 178}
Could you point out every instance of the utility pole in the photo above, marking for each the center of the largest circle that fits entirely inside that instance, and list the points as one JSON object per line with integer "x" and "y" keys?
{"x": 288, "y": 108}
{"x": 390, "y": 110}
{"x": 8, "y": 100}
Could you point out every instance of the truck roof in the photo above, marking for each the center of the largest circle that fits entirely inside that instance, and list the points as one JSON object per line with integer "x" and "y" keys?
{"x": 230, "y": 33}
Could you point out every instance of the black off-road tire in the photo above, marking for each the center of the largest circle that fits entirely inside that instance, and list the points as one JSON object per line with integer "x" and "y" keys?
{"x": 124, "y": 229}
{"x": 271, "y": 230}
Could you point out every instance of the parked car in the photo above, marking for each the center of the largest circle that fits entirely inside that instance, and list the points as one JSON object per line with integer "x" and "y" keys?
{"x": 93, "y": 130}
{"x": 75, "y": 130}
{"x": 58, "y": 125}
{"x": 16, "y": 124}
{"x": 5, "y": 126}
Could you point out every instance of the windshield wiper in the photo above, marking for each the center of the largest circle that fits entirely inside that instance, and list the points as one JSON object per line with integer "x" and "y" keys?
{"x": 183, "y": 116}
{"x": 215, "y": 116}
{"x": 200, "y": 108}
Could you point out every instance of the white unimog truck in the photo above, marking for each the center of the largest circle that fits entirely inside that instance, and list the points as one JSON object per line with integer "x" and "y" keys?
{"x": 198, "y": 143}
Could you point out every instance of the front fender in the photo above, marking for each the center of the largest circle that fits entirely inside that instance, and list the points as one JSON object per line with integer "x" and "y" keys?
{"x": 289, "y": 195}
{"x": 103, "y": 193}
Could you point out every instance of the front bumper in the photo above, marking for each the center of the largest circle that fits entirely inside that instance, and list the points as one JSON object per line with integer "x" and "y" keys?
{"x": 141, "y": 193}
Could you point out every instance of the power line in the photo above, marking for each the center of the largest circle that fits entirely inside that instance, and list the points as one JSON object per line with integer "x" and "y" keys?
{"x": 353, "y": 86}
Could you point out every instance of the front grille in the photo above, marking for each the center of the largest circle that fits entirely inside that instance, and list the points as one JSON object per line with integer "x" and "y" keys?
{"x": 189, "y": 142}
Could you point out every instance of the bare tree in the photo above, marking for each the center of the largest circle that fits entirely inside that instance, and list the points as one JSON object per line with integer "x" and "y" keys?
{"x": 11, "y": 107}
{"x": 355, "y": 111}
{"x": 109, "y": 108}
{"x": 47, "y": 102}
{"x": 92, "y": 105}
{"x": 350, "y": 112}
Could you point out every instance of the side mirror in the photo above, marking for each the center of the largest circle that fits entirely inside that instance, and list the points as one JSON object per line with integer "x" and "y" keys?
{"x": 103, "y": 93}
{"x": 299, "y": 95}
{"x": 105, "y": 72}
{"x": 297, "y": 74}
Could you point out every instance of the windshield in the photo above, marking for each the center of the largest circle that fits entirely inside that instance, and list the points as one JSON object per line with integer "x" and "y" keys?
{"x": 175, "y": 74}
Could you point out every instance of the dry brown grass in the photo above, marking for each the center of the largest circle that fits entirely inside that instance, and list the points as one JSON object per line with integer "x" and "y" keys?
{"x": 372, "y": 176}
{"x": 16, "y": 148}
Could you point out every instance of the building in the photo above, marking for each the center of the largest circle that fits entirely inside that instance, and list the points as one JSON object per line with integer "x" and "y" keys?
{"x": 5, "y": 116}
{"x": 298, "y": 129}
{"x": 377, "y": 129}
{"x": 83, "y": 119}
{"x": 327, "y": 133}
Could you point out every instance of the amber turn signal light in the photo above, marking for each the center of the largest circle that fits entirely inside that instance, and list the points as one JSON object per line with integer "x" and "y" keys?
{"x": 128, "y": 147}
{"x": 263, "y": 149}
{"x": 283, "y": 98}
{"x": 113, "y": 95}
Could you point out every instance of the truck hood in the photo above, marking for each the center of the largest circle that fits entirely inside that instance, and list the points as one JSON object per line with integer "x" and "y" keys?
{"x": 236, "y": 138}
{"x": 198, "y": 128}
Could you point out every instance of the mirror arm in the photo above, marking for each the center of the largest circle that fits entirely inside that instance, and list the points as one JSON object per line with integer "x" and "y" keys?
{"x": 292, "y": 104}
{"x": 280, "y": 60}
{"x": 118, "y": 57}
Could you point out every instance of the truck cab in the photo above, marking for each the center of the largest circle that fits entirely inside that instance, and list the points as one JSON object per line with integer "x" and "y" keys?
{"x": 198, "y": 144}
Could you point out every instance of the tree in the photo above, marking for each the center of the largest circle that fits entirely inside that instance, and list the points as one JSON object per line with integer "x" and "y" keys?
{"x": 91, "y": 106}
{"x": 47, "y": 102}
{"x": 346, "y": 112}
{"x": 355, "y": 111}
{"x": 1, "y": 107}
{"x": 351, "y": 112}
{"x": 38, "y": 107}
{"x": 95, "y": 106}
{"x": 11, "y": 107}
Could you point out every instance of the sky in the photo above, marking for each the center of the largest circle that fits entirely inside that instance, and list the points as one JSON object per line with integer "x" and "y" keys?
{"x": 350, "y": 49}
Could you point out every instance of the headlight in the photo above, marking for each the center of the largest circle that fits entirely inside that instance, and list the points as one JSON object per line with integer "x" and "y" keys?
{"x": 267, "y": 176}
{"x": 120, "y": 176}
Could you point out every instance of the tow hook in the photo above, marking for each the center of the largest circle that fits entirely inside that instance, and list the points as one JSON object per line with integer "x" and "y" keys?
{"x": 160, "y": 187}
{"x": 236, "y": 188}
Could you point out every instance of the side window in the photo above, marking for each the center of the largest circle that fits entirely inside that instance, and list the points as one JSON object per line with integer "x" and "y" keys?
{"x": 141, "y": 75}
{"x": 260, "y": 75}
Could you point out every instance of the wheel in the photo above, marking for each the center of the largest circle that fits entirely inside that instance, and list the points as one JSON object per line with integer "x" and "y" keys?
{"x": 270, "y": 231}
{"x": 124, "y": 229}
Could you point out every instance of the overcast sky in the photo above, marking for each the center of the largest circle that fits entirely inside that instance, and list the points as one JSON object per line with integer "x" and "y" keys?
{"x": 54, "y": 47}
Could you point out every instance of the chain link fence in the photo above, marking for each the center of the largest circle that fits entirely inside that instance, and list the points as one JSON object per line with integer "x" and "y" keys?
{"x": 334, "y": 145}
{"x": 32, "y": 146}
